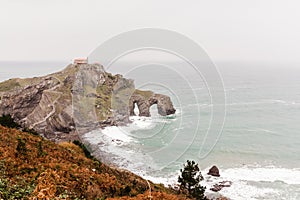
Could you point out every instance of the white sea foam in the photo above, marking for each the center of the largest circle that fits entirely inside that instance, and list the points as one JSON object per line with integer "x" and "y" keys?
{"x": 116, "y": 134}
{"x": 141, "y": 122}
{"x": 256, "y": 182}
{"x": 116, "y": 147}
{"x": 270, "y": 174}
{"x": 123, "y": 133}
{"x": 251, "y": 183}
{"x": 170, "y": 180}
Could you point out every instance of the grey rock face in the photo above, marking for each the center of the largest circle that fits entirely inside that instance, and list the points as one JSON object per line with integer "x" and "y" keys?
{"x": 82, "y": 96}
{"x": 145, "y": 101}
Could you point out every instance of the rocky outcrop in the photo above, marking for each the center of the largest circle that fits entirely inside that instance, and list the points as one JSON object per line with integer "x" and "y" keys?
{"x": 42, "y": 103}
{"x": 81, "y": 97}
{"x": 220, "y": 186}
{"x": 145, "y": 99}
{"x": 214, "y": 171}
{"x": 22, "y": 101}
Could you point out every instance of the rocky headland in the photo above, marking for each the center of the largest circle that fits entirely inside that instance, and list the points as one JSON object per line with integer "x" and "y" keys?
{"x": 75, "y": 100}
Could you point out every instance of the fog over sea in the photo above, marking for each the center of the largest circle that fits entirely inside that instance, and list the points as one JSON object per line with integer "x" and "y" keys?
{"x": 258, "y": 149}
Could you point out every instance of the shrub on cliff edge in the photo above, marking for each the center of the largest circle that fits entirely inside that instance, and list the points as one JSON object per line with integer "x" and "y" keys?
{"x": 8, "y": 121}
{"x": 83, "y": 147}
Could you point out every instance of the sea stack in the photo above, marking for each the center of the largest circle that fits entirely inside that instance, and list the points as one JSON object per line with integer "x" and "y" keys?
{"x": 214, "y": 171}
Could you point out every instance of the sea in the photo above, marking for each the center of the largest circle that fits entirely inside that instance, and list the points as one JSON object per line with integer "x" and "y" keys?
{"x": 255, "y": 144}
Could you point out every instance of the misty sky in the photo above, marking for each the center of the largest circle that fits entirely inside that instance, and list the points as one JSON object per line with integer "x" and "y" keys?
{"x": 243, "y": 30}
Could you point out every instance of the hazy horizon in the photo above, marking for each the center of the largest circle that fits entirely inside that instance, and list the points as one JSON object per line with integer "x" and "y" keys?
{"x": 27, "y": 69}
{"x": 262, "y": 31}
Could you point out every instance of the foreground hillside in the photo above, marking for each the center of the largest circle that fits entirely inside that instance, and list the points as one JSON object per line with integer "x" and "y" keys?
{"x": 34, "y": 168}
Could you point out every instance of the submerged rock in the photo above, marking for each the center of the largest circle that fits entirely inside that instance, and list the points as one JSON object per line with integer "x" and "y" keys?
{"x": 214, "y": 171}
{"x": 216, "y": 188}
{"x": 225, "y": 183}
{"x": 220, "y": 186}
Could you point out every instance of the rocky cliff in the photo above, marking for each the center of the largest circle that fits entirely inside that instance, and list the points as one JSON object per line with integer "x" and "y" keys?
{"x": 79, "y": 97}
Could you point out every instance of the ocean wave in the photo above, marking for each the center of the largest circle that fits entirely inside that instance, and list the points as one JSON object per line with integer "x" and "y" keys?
{"x": 238, "y": 88}
{"x": 256, "y": 130}
{"x": 265, "y": 101}
{"x": 248, "y": 103}
{"x": 271, "y": 174}
{"x": 112, "y": 145}
{"x": 141, "y": 122}
{"x": 284, "y": 102}
{"x": 248, "y": 182}
{"x": 116, "y": 134}
{"x": 251, "y": 182}
{"x": 245, "y": 103}
{"x": 200, "y": 105}
{"x": 121, "y": 146}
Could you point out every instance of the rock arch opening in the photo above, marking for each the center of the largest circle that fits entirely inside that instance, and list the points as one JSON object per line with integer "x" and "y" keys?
{"x": 136, "y": 110}
{"x": 144, "y": 101}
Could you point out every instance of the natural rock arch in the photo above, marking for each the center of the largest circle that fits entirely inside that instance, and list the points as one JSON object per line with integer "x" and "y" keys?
{"x": 145, "y": 99}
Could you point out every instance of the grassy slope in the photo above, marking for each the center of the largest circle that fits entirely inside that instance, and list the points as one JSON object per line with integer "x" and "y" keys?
{"x": 146, "y": 94}
{"x": 9, "y": 85}
{"x": 14, "y": 83}
{"x": 31, "y": 168}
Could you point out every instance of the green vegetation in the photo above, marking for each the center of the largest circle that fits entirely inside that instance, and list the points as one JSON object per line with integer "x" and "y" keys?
{"x": 30, "y": 130}
{"x": 9, "y": 85}
{"x": 68, "y": 71}
{"x": 146, "y": 94}
{"x": 7, "y": 121}
{"x": 21, "y": 148}
{"x": 83, "y": 147}
{"x": 103, "y": 103}
{"x": 10, "y": 191}
{"x": 40, "y": 152}
{"x": 190, "y": 181}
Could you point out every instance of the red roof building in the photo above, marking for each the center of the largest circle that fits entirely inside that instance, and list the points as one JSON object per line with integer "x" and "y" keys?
{"x": 80, "y": 61}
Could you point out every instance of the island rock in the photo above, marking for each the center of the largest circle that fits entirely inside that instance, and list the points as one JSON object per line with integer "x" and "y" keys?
{"x": 214, "y": 171}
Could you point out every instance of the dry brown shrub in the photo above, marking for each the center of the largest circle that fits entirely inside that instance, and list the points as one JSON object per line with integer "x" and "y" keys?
{"x": 46, "y": 187}
{"x": 64, "y": 169}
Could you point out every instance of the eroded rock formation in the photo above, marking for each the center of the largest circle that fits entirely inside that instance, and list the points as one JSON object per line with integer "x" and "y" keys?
{"x": 145, "y": 99}
{"x": 80, "y": 96}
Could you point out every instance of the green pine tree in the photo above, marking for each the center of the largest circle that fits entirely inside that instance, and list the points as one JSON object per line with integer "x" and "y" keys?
{"x": 190, "y": 181}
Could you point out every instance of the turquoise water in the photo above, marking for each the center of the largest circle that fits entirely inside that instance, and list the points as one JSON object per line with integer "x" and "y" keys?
{"x": 258, "y": 149}
{"x": 262, "y": 116}
{"x": 260, "y": 139}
